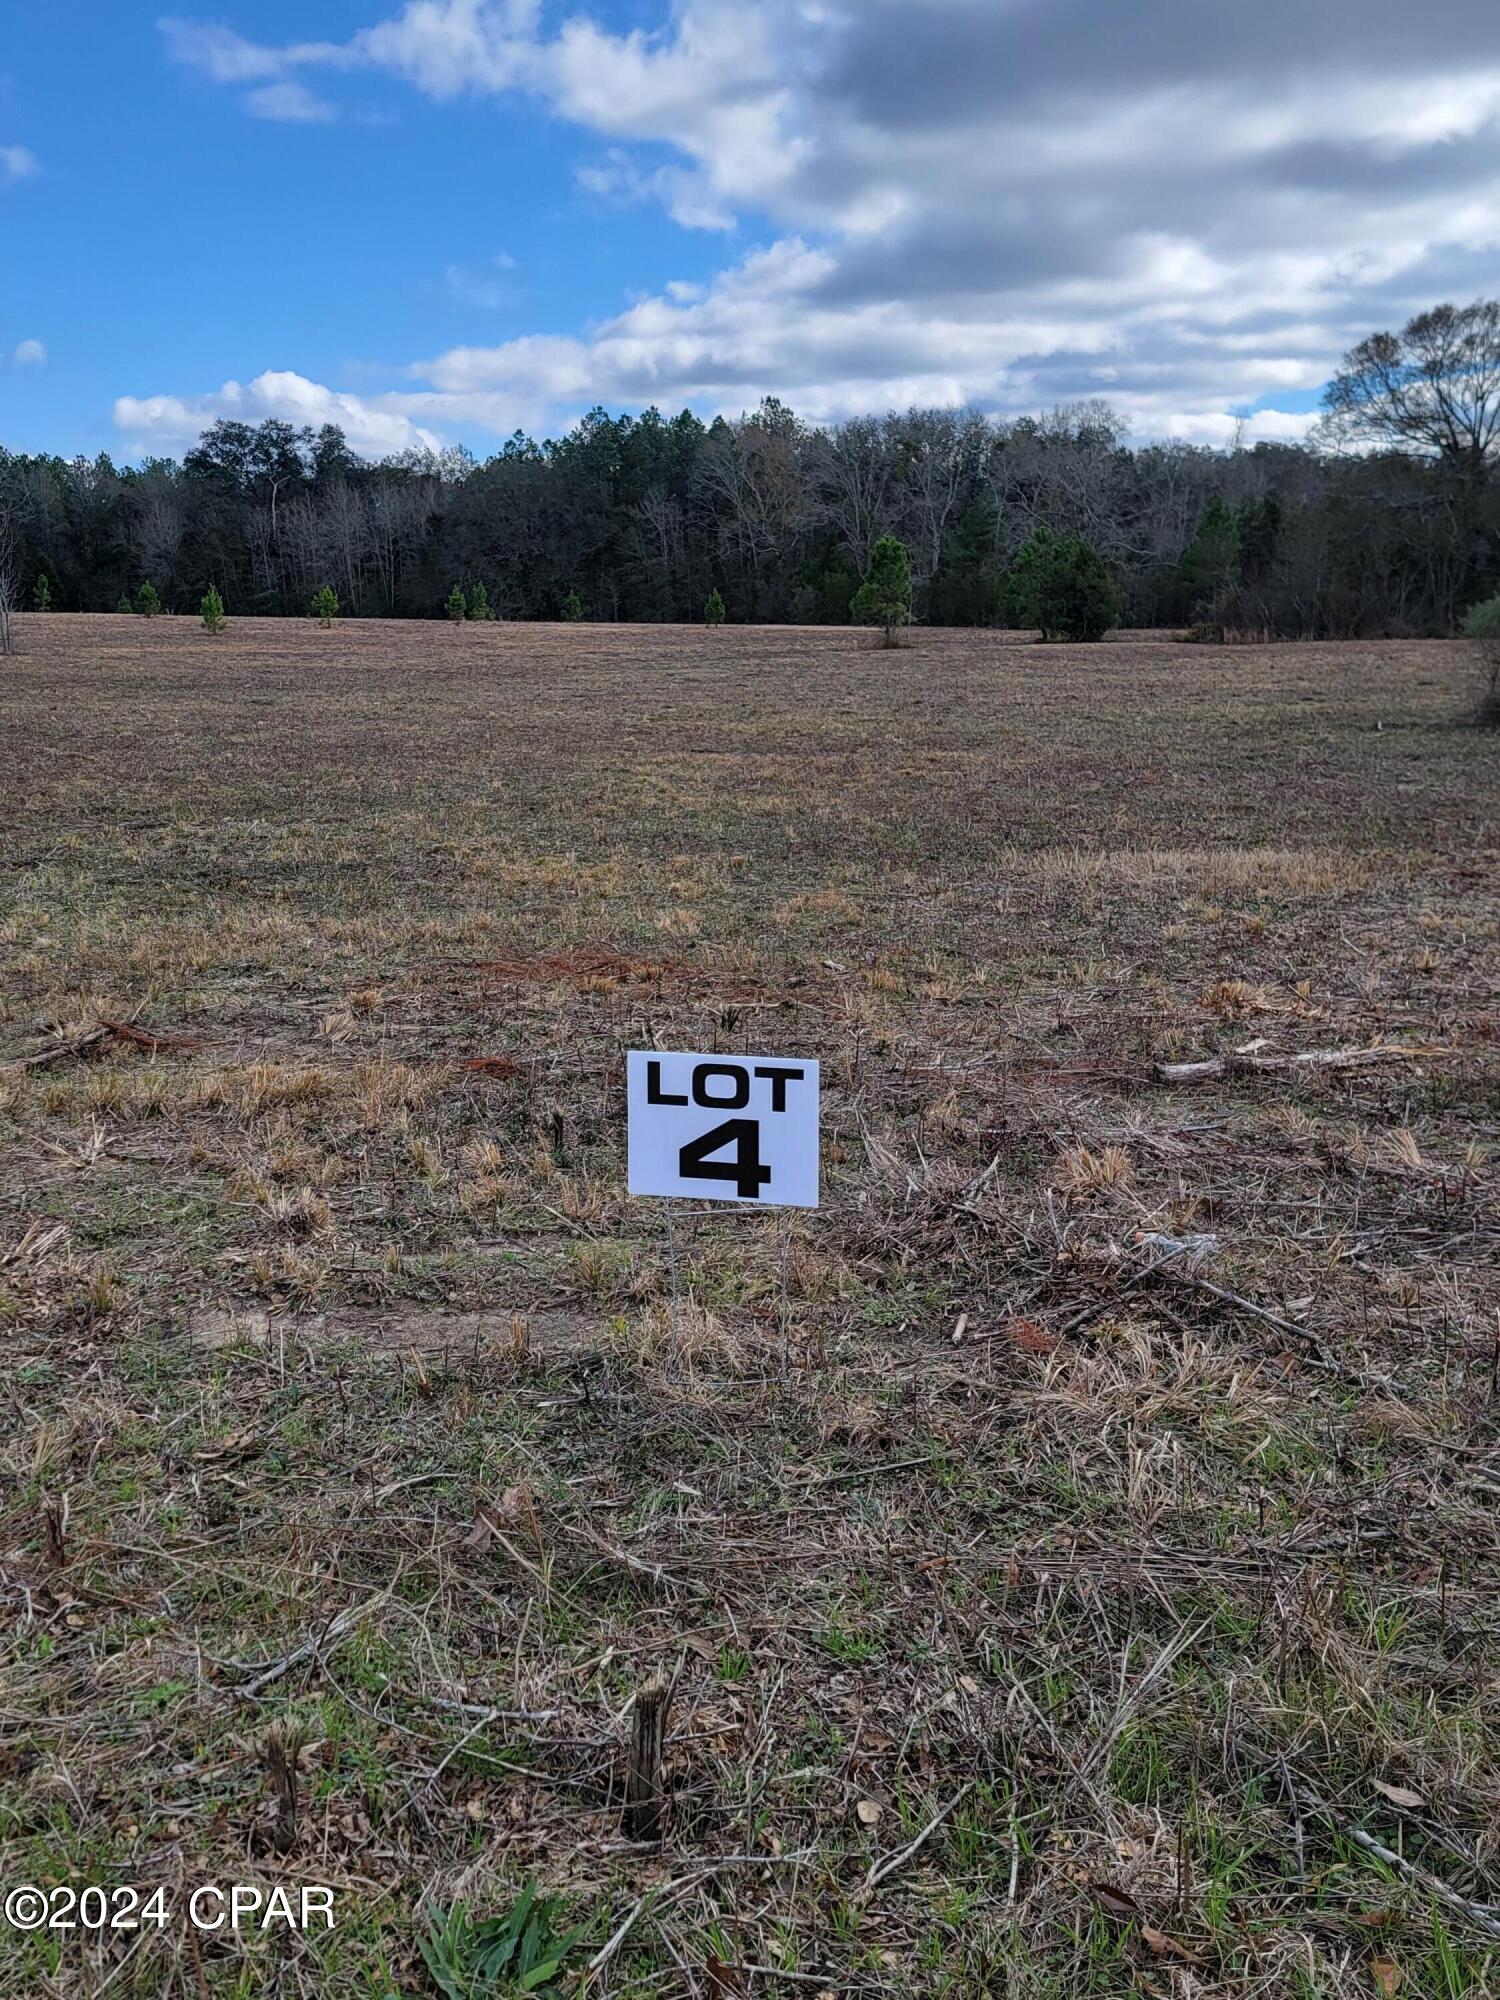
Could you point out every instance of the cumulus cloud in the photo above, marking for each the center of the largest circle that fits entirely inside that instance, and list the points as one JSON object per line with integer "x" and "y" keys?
{"x": 1009, "y": 205}
{"x": 374, "y": 425}
{"x": 17, "y": 163}
{"x": 31, "y": 354}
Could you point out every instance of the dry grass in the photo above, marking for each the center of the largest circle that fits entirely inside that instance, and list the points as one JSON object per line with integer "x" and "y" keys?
{"x": 358, "y": 1470}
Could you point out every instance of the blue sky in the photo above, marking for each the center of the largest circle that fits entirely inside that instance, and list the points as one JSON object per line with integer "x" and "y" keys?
{"x": 440, "y": 220}
{"x": 169, "y": 238}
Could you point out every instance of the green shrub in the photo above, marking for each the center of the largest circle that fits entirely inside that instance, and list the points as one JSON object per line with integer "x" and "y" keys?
{"x": 212, "y": 609}
{"x": 479, "y": 604}
{"x": 147, "y": 602}
{"x": 572, "y": 607}
{"x": 713, "y": 610}
{"x": 457, "y": 606}
{"x": 41, "y": 595}
{"x": 325, "y": 606}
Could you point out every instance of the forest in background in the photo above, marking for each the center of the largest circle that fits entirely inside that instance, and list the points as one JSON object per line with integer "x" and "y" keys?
{"x": 641, "y": 518}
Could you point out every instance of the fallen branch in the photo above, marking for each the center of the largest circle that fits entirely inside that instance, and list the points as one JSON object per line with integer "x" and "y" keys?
{"x": 1483, "y": 1914}
{"x": 1480, "y": 1913}
{"x": 663, "y": 1578}
{"x": 55, "y": 1052}
{"x": 92, "y": 1039}
{"x": 882, "y": 1871}
{"x": 332, "y": 1632}
{"x": 1234, "y": 1065}
{"x": 147, "y": 1038}
{"x": 1316, "y": 1355}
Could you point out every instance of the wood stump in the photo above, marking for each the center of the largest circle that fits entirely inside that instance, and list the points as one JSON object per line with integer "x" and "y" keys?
{"x": 646, "y": 1797}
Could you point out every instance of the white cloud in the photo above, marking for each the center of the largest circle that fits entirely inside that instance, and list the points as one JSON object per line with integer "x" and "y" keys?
{"x": 288, "y": 102}
{"x": 17, "y": 163}
{"x": 619, "y": 177}
{"x": 31, "y": 354}
{"x": 1007, "y": 205}
{"x": 374, "y": 425}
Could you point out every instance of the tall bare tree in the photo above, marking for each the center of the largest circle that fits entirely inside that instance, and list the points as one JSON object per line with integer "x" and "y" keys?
{"x": 1433, "y": 388}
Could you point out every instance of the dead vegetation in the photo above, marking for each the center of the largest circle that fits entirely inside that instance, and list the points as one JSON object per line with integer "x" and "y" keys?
{"x": 1083, "y": 1583}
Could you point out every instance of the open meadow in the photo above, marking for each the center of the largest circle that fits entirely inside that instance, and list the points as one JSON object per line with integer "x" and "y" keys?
{"x": 1086, "y": 1583}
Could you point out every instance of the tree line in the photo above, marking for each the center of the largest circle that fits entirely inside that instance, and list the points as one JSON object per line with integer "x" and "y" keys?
{"x": 773, "y": 519}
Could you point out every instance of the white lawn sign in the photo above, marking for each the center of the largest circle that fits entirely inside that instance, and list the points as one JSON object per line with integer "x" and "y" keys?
{"x": 723, "y": 1128}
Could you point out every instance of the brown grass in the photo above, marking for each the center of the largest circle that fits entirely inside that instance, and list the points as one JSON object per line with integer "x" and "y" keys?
{"x": 363, "y": 1459}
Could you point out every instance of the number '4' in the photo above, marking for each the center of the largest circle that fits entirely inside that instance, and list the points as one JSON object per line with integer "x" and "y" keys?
{"x": 745, "y": 1169}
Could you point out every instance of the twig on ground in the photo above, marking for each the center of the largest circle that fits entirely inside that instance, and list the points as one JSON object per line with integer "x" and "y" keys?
{"x": 882, "y": 1871}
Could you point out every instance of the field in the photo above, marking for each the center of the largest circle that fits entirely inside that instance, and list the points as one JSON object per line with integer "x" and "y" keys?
{"x": 1072, "y": 1549}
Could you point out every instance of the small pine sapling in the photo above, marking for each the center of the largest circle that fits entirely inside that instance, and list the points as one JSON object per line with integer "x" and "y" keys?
{"x": 457, "y": 607}
{"x": 147, "y": 600}
{"x": 212, "y": 609}
{"x": 325, "y": 606}
{"x": 884, "y": 598}
{"x": 713, "y": 610}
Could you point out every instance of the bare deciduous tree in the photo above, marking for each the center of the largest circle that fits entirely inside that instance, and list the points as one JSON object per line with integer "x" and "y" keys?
{"x": 1433, "y": 388}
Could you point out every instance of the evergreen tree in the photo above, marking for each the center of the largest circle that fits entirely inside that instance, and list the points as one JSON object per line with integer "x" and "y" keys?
{"x": 965, "y": 588}
{"x": 212, "y": 609}
{"x": 479, "y": 603}
{"x": 1080, "y": 599}
{"x": 572, "y": 607}
{"x": 1258, "y": 525}
{"x": 325, "y": 606}
{"x": 1210, "y": 562}
{"x": 713, "y": 610}
{"x": 884, "y": 598}
{"x": 457, "y": 607}
{"x": 147, "y": 601}
{"x": 41, "y": 596}
{"x": 1060, "y": 584}
{"x": 125, "y": 604}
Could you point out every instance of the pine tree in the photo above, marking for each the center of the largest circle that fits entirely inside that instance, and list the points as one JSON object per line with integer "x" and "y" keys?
{"x": 1059, "y": 584}
{"x": 41, "y": 595}
{"x": 1210, "y": 562}
{"x": 965, "y": 588}
{"x": 147, "y": 601}
{"x": 125, "y": 604}
{"x": 479, "y": 603}
{"x": 212, "y": 609}
{"x": 457, "y": 607}
{"x": 572, "y": 607}
{"x": 1258, "y": 524}
{"x": 713, "y": 610}
{"x": 1080, "y": 599}
{"x": 325, "y": 606}
{"x": 884, "y": 598}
